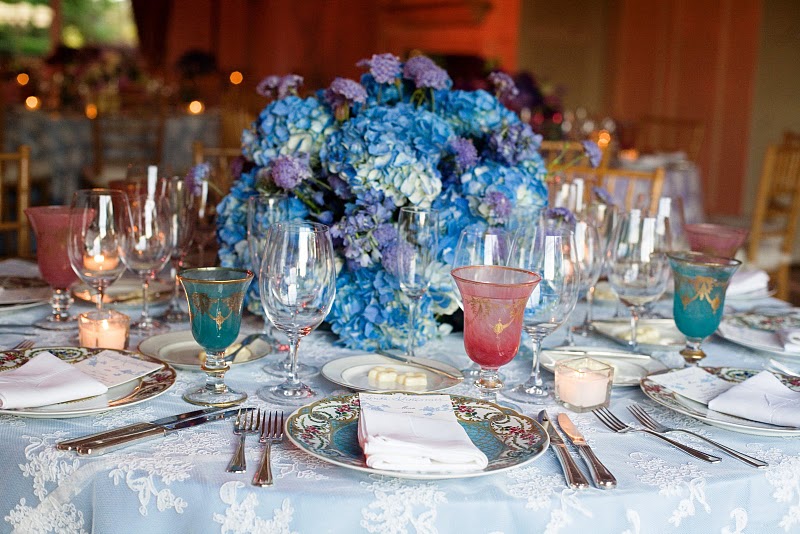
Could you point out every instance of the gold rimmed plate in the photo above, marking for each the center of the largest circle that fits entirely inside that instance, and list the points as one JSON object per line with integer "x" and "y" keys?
{"x": 180, "y": 350}
{"x": 652, "y": 334}
{"x": 352, "y": 372}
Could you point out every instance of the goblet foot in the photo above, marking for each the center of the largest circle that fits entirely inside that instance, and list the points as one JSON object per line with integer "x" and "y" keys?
{"x": 292, "y": 394}
{"x": 58, "y": 322}
{"x": 692, "y": 353}
{"x": 148, "y": 326}
{"x": 206, "y": 395}
{"x": 175, "y": 315}
{"x": 472, "y": 372}
{"x": 283, "y": 368}
{"x": 528, "y": 392}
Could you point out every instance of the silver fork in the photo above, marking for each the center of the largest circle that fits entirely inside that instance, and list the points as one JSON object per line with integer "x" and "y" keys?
{"x": 245, "y": 423}
{"x": 271, "y": 432}
{"x": 24, "y": 344}
{"x": 611, "y": 421}
{"x": 644, "y": 418}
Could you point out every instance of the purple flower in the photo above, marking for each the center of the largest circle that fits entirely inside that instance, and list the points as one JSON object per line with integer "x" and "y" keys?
{"x": 560, "y": 215}
{"x": 425, "y": 73}
{"x": 504, "y": 86}
{"x": 385, "y": 234}
{"x": 344, "y": 91}
{"x": 592, "y": 152}
{"x": 603, "y": 195}
{"x": 279, "y": 86}
{"x": 237, "y": 166}
{"x": 339, "y": 186}
{"x": 196, "y": 176}
{"x": 466, "y": 156}
{"x": 289, "y": 171}
{"x": 268, "y": 85}
{"x": 499, "y": 205}
{"x": 385, "y": 68}
{"x": 513, "y": 144}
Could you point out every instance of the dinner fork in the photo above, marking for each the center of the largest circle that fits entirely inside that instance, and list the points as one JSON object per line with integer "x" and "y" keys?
{"x": 611, "y": 421}
{"x": 644, "y": 418}
{"x": 24, "y": 344}
{"x": 246, "y": 422}
{"x": 271, "y": 432}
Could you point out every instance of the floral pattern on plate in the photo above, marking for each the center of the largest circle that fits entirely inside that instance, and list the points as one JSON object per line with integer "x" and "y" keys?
{"x": 768, "y": 320}
{"x": 328, "y": 430}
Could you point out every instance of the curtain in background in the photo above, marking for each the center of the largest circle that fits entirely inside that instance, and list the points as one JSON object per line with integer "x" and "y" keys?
{"x": 152, "y": 24}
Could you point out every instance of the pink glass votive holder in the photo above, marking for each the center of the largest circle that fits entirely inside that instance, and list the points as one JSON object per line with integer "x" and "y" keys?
{"x": 107, "y": 329}
{"x": 583, "y": 384}
{"x": 715, "y": 239}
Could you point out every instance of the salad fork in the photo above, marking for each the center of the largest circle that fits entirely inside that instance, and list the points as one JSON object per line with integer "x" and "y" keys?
{"x": 24, "y": 344}
{"x": 643, "y": 417}
{"x": 247, "y": 422}
{"x": 271, "y": 432}
{"x": 611, "y": 421}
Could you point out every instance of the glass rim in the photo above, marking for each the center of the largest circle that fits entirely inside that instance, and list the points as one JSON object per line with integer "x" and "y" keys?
{"x": 712, "y": 260}
{"x": 316, "y": 227}
{"x": 536, "y": 278}
{"x": 55, "y": 209}
{"x": 247, "y": 274}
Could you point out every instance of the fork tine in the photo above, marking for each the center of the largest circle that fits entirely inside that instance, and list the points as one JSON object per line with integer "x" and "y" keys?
{"x": 264, "y": 428}
{"x": 238, "y": 421}
{"x": 607, "y": 418}
{"x": 280, "y": 427}
{"x": 614, "y": 419}
{"x": 642, "y": 416}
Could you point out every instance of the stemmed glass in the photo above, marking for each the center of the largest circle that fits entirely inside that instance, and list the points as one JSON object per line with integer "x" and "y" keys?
{"x": 604, "y": 218}
{"x": 99, "y": 218}
{"x": 216, "y": 296}
{"x": 146, "y": 247}
{"x": 478, "y": 245}
{"x": 589, "y": 256}
{"x": 548, "y": 249}
{"x": 51, "y": 226}
{"x": 638, "y": 266}
{"x": 418, "y": 235}
{"x": 183, "y": 208}
{"x": 297, "y": 284}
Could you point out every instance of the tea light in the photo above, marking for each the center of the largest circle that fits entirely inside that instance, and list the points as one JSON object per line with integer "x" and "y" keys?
{"x": 103, "y": 329}
{"x": 583, "y": 384}
{"x": 99, "y": 262}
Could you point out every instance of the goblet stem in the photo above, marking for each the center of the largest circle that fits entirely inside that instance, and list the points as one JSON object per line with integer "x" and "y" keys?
{"x": 692, "y": 353}
{"x": 60, "y": 301}
{"x": 488, "y": 384}
{"x": 633, "y": 344}
{"x": 145, "y": 305}
{"x": 587, "y": 322}
{"x": 215, "y": 368}
{"x": 412, "y": 316}
{"x": 533, "y": 385}
{"x": 101, "y": 294}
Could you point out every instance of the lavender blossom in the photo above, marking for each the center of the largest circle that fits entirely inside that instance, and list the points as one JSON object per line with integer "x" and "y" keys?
{"x": 385, "y": 68}
{"x": 504, "y": 86}
{"x": 385, "y": 235}
{"x": 289, "y": 171}
{"x": 268, "y": 85}
{"x": 499, "y": 205}
{"x": 196, "y": 176}
{"x": 603, "y": 195}
{"x": 425, "y": 73}
{"x": 592, "y": 152}
{"x": 237, "y": 166}
{"x": 279, "y": 86}
{"x": 513, "y": 144}
{"x": 339, "y": 186}
{"x": 466, "y": 156}
{"x": 345, "y": 92}
{"x": 560, "y": 215}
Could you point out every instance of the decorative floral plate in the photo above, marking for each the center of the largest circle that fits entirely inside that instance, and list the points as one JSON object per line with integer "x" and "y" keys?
{"x": 669, "y": 399}
{"x": 127, "y": 394}
{"x": 756, "y": 330}
{"x": 328, "y": 430}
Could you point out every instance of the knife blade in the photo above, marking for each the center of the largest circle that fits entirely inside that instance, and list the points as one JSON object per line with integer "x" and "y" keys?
{"x": 600, "y": 353}
{"x": 575, "y": 478}
{"x": 72, "y": 444}
{"x": 601, "y": 476}
{"x": 415, "y": 363}
{"x": 110, "y": 444}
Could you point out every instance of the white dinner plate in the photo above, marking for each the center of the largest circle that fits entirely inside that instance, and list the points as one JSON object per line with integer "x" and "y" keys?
{"x": 125, "y": 292}
{"x": 652, "y": 334}
{"x": 180, "y": 350}
{"x": 328, "y": 430}
{"x": 669, "y": 399}
{"x": 353, "y": 372}
{"x": 16, "y": 291}
{"x": 750, "y": 295}
{"x": 121, "y": 396}
{"x": 5, "y": 308}
{"x": 757, "y": 330}
{"x": 629, "y": 368}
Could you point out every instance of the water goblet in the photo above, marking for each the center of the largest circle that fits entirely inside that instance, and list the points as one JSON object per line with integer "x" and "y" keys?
{"x": 98, "y": 220}
{"x": 549, "y": 250}
{"x": 297, "y": 284}
{"x": 418, "y": 231}
{"x": 494, "y": 300}
{"x": 700, "y": 284}
{"x": 51, "y": 227}
{"x": 215, "y": 296}
{"x": 479, "y": 245}
{"x": 183, "y": 209}
{"x": 589, "y": 256}
{"x": 638, "y": 265}
{"x": 604, "y": 218}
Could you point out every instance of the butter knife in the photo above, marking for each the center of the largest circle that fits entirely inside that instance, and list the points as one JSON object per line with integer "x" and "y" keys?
{"x": 414, "y": 363}
{"x": 575, "y": 478}
{"x": 106, "y": 445}
{"x": 601, "y": 476}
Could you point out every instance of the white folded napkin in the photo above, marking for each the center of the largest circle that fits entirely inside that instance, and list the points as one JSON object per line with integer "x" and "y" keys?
{"x": 744, "y": 282}
{"x": 43, "y": 380}
{"x": 761, "y": 398}
{"x": 415, "y": 433}
{"x": 790, "y": 339}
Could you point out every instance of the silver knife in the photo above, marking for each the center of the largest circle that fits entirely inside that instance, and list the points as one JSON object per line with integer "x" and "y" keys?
{"x": 600, "y": 353}
{"x": 110, "y": 444}
{"x": 575, "y": 478}
{"x": 602, "y": 477}
{"x": 72, "y": 444}
{"x": 415, "y": 363}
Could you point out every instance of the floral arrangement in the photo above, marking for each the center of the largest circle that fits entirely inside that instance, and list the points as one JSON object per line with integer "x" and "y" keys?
{"x": 352, "y": 154}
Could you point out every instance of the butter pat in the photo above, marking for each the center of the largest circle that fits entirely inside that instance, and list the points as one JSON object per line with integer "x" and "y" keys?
{"x": 389, "y": 378}
{"x": 413, "y": 380}
{"x": 383, "y": 376}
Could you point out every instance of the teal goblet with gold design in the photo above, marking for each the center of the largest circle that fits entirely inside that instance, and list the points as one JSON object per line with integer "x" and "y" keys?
{"x": 215, "y": 296}
{"x": 700, "y": 284}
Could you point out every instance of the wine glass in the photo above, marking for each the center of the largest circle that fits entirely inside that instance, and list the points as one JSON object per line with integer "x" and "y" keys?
{"x": 604, "y": 218}
{"x": 700, "y": 284}
{"x": 297, "y": 284}
{"x": 548, "y": 249}
{"x": 638, "y": 265}
{"x": 183, "y": 207}
{"x": 215, "y": 296}
{"x": 589, "y": 256}
{"x": 494, "y": 300}
{"x": 98, "y": 221}
{"x": 51, "y": 226}
{"x": 146, "y": 247}
{"x": 418, "y": 236}
{"x": 478, "y": 245}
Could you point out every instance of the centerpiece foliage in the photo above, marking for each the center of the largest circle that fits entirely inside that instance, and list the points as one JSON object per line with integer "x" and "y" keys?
{"x": 352, "y": 154}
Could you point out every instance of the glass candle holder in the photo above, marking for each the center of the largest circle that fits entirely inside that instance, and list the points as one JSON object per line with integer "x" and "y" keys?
{"x": 583, "y": 384}
{"x": 107, "y": 329}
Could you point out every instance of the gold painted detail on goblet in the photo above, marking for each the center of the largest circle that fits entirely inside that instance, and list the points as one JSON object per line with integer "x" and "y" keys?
{"x": 483, "y": 307}
{"x": 702, "y": 289}
{"x": 203, "y": 304}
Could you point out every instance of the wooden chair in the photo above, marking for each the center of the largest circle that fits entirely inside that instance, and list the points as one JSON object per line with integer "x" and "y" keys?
{"x": 220, "y": 159}
{"x": 639, "y": 189}
{"x": 791, "y": 138}
{"x": 14, "y": 222}
{"x": 667, "y": 134}
{"x": 566, "y": 160}
{"x": 776, "y": 214}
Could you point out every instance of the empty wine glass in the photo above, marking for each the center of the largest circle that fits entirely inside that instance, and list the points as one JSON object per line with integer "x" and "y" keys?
{"x": 638, "y": 267}
{"x": 549, "y": 250}
{"x": 98, "y": 221}
{"x": 479, "y": 245}
{"x": 146, "y": 247}
{"x": 589, "y": 256}
{"x": 183, "y": 208}
{"x": 604, "y": 218}
{"x": 297, "y": 284}
{"x": 418, "y": 236}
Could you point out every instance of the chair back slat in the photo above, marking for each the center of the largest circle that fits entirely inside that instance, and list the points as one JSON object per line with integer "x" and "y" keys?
{"x": 15, "y": 222}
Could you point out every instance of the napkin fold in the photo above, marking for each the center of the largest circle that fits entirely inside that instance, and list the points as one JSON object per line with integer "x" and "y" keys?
{"x": 761, "y": 398}
{"x": 790, "y": 339}
{"x": 744, "y": 282}
{"x": 45, "y": 379}
{"x": 415, "y": 433}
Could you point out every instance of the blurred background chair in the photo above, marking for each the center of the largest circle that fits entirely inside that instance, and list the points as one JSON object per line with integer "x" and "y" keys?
{"x": 667, "y": 134}
{"x": 775, "y": 216}
{"x": 14, "y": 200}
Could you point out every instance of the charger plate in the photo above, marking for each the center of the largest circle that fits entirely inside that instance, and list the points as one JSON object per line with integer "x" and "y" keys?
{"x": 328, "y": 430}
{"x": 669, "y": 399}
{"x": 121, "y": 396}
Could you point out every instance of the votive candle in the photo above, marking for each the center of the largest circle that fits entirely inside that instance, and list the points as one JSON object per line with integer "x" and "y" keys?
{"x": 583, "y": 384}
{"x": 106, "y": 329}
